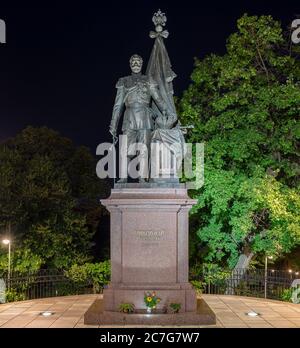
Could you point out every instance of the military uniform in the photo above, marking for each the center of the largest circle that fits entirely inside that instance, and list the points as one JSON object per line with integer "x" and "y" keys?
{"x": 135, "y": 92}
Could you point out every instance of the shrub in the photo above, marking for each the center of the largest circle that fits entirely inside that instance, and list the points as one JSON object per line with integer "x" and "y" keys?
{"x": 14, "y": 295}
{"x": 126, "y": 308}
{"x": 97, "y": 274}
{"x": 287, "y": 295}
{"x": 175, "y": 307}
{"x": 198, "y": 286}
{"x": 206, "y": 274}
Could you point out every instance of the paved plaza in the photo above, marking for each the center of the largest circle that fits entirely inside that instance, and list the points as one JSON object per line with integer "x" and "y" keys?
{"x": 230, "y": 311}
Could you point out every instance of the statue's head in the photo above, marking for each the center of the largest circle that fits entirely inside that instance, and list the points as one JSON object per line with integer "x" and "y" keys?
{"x": 136, "y": 63}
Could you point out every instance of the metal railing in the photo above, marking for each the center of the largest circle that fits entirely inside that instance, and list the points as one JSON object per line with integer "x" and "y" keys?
{"x": 50, "y": 283}
{"x": 45, "y": 283}
{"x": 272, "y": 284}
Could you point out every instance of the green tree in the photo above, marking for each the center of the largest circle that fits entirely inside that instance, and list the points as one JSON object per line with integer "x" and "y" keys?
{"x": 49, "y": 195}
{"x": 245, "y": 107}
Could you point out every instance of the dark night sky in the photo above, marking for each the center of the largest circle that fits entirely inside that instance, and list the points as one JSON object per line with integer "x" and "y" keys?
{"x": 62, "y": 60}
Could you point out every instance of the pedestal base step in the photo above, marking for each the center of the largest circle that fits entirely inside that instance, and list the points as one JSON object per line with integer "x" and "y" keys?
{"x": 96, "y": 315}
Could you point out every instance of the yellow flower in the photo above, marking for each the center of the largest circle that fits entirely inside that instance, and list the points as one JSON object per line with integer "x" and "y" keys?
{"x": 158, "y": 300}
{"x": 149, "y": 299}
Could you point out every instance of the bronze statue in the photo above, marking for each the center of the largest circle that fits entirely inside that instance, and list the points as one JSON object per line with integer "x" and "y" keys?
{"x": 150, "y": 114}
{"x": 135, "y": 92}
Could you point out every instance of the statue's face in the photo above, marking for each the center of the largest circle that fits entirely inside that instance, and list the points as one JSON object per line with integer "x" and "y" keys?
{"x": 136, "y": 65}
{"x": 159, "y": 28}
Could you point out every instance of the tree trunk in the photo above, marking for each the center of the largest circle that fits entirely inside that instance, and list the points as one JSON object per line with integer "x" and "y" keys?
{"x": 238, "y": 272}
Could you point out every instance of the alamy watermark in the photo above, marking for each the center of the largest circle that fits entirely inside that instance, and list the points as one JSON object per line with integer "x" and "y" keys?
{"x": 296, "y": 33}
{"x": 155, "y": 161}
{"x": 2, "y": 31}
{"x": 295, "y": 291}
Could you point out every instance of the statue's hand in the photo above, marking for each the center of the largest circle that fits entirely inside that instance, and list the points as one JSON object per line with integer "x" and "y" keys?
{"x": 113, "y": 132}
{"x": 162, "y": 122}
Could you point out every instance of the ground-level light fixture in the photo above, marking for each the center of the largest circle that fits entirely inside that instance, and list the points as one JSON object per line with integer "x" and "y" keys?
{"x": 46, "y": 314}
{"x": 252, "y": 314}
{"x": 290, "y": 270}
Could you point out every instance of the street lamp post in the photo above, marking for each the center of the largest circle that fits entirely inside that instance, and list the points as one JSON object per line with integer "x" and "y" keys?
{"x": 7, "y": 242}
{"x": 266, "y": 273}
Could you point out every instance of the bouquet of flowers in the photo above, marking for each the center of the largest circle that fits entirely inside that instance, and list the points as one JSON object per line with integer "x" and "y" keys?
{"x": 151, "y": 300}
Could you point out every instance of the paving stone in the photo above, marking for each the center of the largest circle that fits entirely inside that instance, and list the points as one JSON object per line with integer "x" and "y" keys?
{"x": 230, "y": 312}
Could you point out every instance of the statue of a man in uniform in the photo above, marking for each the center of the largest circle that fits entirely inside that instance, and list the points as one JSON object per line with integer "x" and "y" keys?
{"x": 136, "y": 91}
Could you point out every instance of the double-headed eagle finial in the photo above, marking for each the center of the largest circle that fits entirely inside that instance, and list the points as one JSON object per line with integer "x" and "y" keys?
{"x": 159, "y": 19}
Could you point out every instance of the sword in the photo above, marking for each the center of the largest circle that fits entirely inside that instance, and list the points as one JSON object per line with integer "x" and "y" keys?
{"x": 114, "y": 143}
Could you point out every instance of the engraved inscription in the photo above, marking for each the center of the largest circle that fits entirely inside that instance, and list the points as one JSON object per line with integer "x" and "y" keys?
{"x": 149, "y": 235}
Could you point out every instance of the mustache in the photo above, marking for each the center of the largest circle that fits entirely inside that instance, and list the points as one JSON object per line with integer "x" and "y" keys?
{"x": 136, "y": 64}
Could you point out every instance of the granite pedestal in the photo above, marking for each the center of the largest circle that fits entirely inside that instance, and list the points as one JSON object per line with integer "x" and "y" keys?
{"x": 149, "y": 250}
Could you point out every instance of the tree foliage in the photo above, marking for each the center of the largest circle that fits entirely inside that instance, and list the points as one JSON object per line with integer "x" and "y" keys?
{"x": 245, "y": 107}
{"x": 49, "y": 195}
